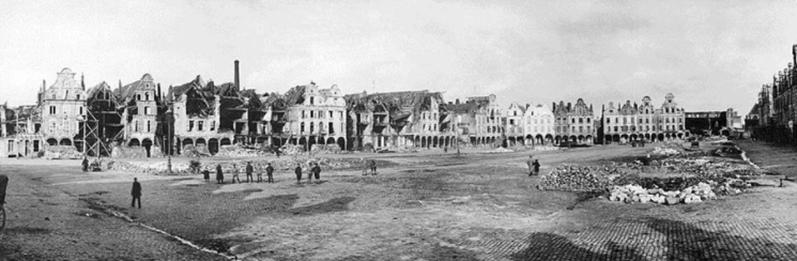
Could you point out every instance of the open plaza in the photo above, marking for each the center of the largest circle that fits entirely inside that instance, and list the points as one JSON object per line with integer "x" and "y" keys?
{"x": 423, "y": 205}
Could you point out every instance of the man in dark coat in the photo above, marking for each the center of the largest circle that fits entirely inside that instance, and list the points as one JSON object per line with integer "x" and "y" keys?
{"x": 317, "y": 172}
{"x": 270, "y": 173}
{"x": 219, "y": 174}
{"x": 298, "y": 172}
{"x": 277, "y": 151}
{"x": 536, "y": 165}
{"x": 249, "y": 170}
{"x": 373, "y": 167}
{"x": 136, "y": 193}
{"x": 206, "y": 174}
{"x": 85, "y": 164}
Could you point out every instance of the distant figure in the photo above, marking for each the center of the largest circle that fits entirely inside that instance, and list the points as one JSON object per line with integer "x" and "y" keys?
{"x": 445, "y": 149}
{"x": 249, "y": 170}
{"x": 235, "y": 173}
{"x": 206, "y": 174}
{"x": 3, "y": 185}
{"x": 372, "y": 163}
{"x": 298, "y": 172}
{"x": 317, "y": 172}
{"x": 85, "y": 164}
{"x": 260, "y": 170}
{"x": 219, "y": 174}
{"x": 270, "y": 173}
{"x": 530, "y": 163}
{"x": 277, "y": 151}
{"x": 536, "y": 165}
{"x": 136, "y": 193}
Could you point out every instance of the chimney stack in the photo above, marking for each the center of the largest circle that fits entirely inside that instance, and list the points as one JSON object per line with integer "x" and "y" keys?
{"x": 237, "y": 76}
{"x": 794, "y": 54}
{"x": 457, "y": 100}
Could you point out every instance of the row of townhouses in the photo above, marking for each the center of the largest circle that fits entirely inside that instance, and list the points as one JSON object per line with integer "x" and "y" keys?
{"x": 774, "y": 116}
{"x": 199, "y": 114}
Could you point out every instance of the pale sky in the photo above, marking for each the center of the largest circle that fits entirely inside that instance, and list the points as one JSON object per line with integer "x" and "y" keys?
{"x": 711, "y": 55}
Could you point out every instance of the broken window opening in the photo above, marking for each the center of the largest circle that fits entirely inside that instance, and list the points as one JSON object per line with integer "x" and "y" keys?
{"x": 212, "y": 125}
{"x": 190, "y": 125}
{"x": 199, "y": 125}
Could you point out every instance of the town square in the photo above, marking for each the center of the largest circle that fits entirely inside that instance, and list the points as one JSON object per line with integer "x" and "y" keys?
{"x": 424, "y": 130}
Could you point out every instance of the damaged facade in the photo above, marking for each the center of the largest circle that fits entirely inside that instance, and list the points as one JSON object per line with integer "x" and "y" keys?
{"x": 398, "y": 120}
{"x": 513, "y": 125}
{"x": 633, "y": 122}
{"x": 63, "y": 106}
{"x": 477, "y": 120}
{"x": 574, "y": 123}
{"x": 315, "y": 116}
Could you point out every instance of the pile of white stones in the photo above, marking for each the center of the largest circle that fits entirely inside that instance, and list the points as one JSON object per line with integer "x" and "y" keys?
{"x": 635, "y": 193}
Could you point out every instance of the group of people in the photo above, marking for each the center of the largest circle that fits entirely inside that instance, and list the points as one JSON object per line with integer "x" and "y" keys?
{"x": 315, "y": 170}
{"x": 249, "y": 169}
{"x": 534, "y": 166}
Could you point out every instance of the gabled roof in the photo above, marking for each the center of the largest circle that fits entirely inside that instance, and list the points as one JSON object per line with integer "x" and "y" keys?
{"x": 177, "y": 91}
{"x": 295, "y": 95}
{"x": 129, "y": 90}
{"x": 91, "y": 92}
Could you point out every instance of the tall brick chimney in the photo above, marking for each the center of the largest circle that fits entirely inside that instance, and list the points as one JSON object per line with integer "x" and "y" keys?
{"x": 794, "y": 54}
{"x": 237, "y": 77}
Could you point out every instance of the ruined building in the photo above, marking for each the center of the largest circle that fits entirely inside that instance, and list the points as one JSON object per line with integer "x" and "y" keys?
{"x": 63, "y": 106}
{"x": 20, "y": 131}
{"x": 398, "y": 119}
{"x": 315, "y": 116}
{"x": 513, "y": 124}
{"x": 538, "y": 125}
{"x": 477, "y": 120}
{"x": 574, "y": 123}
{"x": 140, "y": 100}
{"x": 196, "y": 111}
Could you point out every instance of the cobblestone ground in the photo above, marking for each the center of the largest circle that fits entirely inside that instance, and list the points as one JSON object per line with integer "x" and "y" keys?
{"x": 440, "y": 207}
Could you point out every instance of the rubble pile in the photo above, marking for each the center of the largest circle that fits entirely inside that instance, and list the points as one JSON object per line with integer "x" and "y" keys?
{"x": 500, "y": 150}
{"x": 282, "y": 164}
{"x": 128, "y": 152}
{"x": 325, "y": 148}
{"x": 289, "y": 149}
{"x": 700, "y": 192}
{"x": 238, "y": 150}
{"x": 149, "y": 167}
{"x": 579, "y": 178}
{"x": 192, "y": 151}
{"x": 62, "y": 152}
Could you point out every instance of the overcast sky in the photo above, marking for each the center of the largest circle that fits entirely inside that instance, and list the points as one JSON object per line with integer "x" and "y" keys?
{"x": 711, "y": 55}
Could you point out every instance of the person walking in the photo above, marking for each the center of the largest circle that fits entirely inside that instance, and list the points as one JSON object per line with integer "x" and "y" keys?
{"x": 85, "y": 164}
{"x": 530, "y": 163}
{"x": 310, "y": 173}
{"x": 206, "y": 174}
{"x": 235, "y": 173}
{"x": 270, "y": 173}
{"x": 298, "y": 172}
{"x": 536, "y": 165}
{"x": 260, "y": 170}
{"x": 219, "y": 174}
{"x": 136, "y": 193}
{"x": 249, "y": 170}
{"x": 317, "y": 172}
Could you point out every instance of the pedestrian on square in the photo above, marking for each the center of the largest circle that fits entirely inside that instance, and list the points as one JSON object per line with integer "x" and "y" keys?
{"x": 260, "y": 170}
{"x": 219, "y": 174}
{"x": 277, "y": 151}
{"x": 206, "y": 174}
{"x": 235, "y": 173}
{"x": 249, "y": 170}
{"x": 270, "y": 173}
{"x": 373, "y": 167}
{"x": 85, "y": 164}
{"x": 298, "y": 172}
{"x": 536, "y": 165}
{"x": 530, "y": 163}
{"x": 136, "y": 193}
{"x": 317, "y": 172}
{"x": 310, "y": 173}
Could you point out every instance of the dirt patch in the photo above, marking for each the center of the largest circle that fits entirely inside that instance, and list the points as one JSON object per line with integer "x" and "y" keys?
{"x": 27, "y": 230}
{"x": 333, "y": 205}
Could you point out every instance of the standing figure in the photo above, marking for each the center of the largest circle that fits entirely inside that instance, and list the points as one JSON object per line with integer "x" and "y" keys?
{"x": 373, "y": 167}
{"x": 277, "y": 151}
{"x": 530, "y": 163}
{"x": 206, "y": 174}
{"x": 219, "y": 174}
{"x": 536, "y": 165}
{"x": 260, "y": 170}
{"x": 249, "y": 170}
{"x": 136, "y": 193}
{"x": 270, "y": 173}
{"x": 85, "y": 164}
{"x": 310, "y": 174}
{"x": 235, "y": 173}
{"x": 298, "y": 172}
{"x": 317, "y": 171}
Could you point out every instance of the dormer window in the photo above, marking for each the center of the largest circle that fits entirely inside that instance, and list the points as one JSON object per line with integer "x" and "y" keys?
{"x": 138, "y": 97}
{"x": 311, "y": 100}
{"x": 146, "y": 96}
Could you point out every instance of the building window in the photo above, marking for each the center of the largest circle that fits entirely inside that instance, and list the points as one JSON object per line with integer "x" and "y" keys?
{"x": 138, "y": 97}
{"x": 212, "y": 125}
{"x": 587, "y": 120}
{"x": 312, "y": 125}
{"x": 146, "y": 96}
{"x": 81, "y": 110}
{"x": 615, "y": 128}
{"x": 311, "y": 102}
{"x": 331, "y": 126}
{"x": 146, "y": 110}
{"x": 52, "y": 110}
{"x": 78, "y": 96}
{"x": 330, "y": 114}
{"x": 190, "y": 125}
{"x": 312, "y": 114}
{"x": 301, "y": 127}
{"x": 135, "y": 126}
{"x": 199, "y": 125}
{"x": 303, "y": 115}
{"x": 149, "y": 126}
